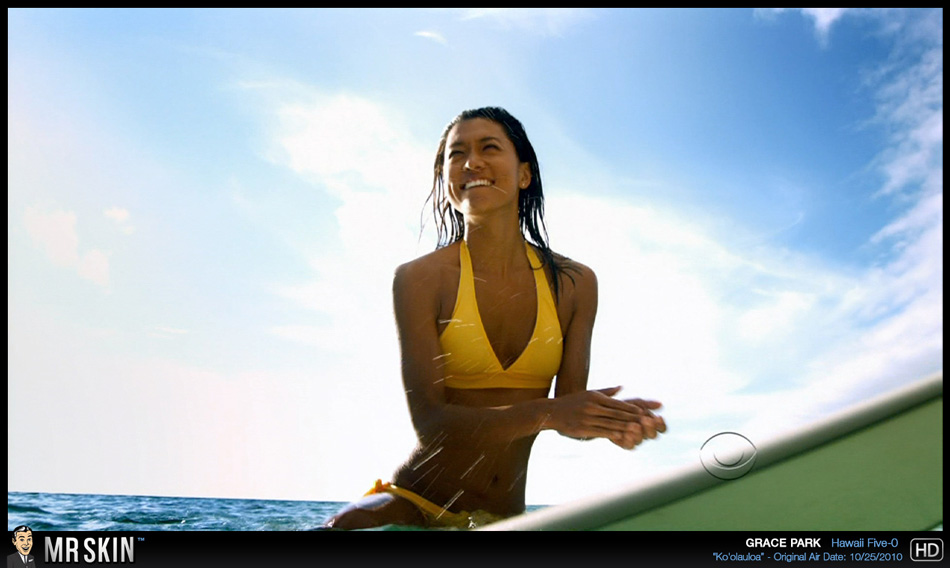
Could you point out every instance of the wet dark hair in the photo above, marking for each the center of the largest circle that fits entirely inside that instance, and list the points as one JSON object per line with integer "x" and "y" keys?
{"x": 450, "y": 225}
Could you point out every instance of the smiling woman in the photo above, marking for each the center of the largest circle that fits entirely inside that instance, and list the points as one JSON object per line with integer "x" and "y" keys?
{"x": 486, "y": 322}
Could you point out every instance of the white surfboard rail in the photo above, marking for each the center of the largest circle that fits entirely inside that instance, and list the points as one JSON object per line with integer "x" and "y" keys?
{"x": 876, "y": 464}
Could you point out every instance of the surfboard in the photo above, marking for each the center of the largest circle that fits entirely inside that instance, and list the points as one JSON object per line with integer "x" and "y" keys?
{"x": 877, "y": 465}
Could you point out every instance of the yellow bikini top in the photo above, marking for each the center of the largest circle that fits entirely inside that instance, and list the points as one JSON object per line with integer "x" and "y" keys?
{"x": 469, "y": 360}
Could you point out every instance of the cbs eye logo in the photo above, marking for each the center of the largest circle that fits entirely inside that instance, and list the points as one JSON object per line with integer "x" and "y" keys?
{"x": 728, "y": 455}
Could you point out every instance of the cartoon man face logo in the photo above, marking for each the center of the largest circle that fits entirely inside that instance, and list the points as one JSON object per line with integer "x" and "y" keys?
{"x": 23, "y": 540}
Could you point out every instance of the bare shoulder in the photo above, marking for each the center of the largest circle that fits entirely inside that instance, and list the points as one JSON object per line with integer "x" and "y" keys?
{"x": 425, "y": 274}
{"x": 578, "y": 280}
{"x": 578, "y": 291}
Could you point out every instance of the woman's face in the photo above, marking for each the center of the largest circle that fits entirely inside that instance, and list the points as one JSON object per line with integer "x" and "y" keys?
{"x": 481, "y": 168}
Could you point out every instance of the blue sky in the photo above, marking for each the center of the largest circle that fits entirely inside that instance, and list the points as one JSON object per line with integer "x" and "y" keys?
{"x": 205, "y": 209}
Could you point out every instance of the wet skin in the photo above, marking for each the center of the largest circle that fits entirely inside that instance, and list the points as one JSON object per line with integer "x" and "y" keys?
{"x": 458, "y": 471}
{"x": 489, "y": 477}
{"x": 474, "y": 444}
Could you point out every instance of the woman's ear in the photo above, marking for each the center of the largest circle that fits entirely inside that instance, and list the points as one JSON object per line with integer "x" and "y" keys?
{"x": 524, "y": 175}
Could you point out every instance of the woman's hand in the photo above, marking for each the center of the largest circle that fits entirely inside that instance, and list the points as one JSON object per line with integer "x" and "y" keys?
{"x": 650, "y": 424}
{"x": 596, "y": 414}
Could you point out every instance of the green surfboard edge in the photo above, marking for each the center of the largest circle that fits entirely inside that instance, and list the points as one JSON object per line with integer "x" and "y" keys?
{"x": 887, "y": 476}
{"x": 878, "y": 466}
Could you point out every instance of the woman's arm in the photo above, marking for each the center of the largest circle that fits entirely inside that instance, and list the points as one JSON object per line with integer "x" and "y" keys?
{"x": 581, "y": 294}
{"x": 581, "y": 413}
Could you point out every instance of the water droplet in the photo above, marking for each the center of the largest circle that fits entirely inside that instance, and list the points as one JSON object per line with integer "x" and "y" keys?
{"x": 452, "y": 500}
{"x": 427, "y": 458}
{"x": 469, "y": 470}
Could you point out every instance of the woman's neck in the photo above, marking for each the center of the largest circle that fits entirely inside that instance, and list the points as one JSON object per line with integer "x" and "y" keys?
{"x": 495, "y": 247}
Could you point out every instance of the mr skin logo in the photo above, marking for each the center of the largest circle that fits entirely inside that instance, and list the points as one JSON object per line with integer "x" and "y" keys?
{"x": 98, "y": 550}
{"x": 23, "y": 543}
{"x": 59, "y": 550}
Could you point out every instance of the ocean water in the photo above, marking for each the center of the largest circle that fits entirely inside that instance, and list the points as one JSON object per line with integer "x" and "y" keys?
{"x": 69, "y": 512}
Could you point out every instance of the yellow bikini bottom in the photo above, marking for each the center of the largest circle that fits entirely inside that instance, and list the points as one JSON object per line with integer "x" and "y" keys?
{"x": 437, "y": 516}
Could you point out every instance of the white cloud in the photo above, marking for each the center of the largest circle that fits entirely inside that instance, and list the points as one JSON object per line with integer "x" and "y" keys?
{"x": 362, "y": 154}
{"x": 822, "y": 18}
{"x": 778, "y": 314}
{"x": 117, "y": 213}
{"x": 910, "y": 107}
{"x": 434, "y": 36}
{"x": 886, "y": 321}
{"x": 350, "y": 144}
{"x": 928, "y": 212}
{"x": 94, "y": 266}
{"x": 55, "y": 232}
{"x": 657, "y": 323}
{"x": 121, "y": 217}
{"x": 543, "y": 21}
